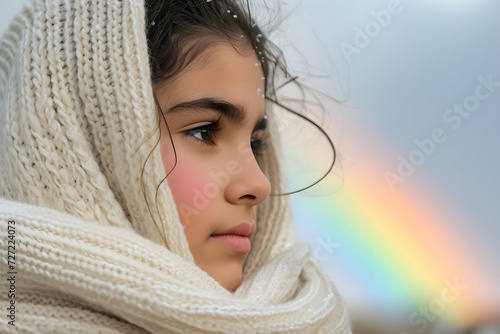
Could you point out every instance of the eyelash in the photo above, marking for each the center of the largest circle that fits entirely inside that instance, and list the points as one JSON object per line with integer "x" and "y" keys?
{"x": 258, "y": 145}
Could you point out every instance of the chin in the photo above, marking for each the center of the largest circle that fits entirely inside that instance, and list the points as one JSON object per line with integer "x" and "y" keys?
{"x": 226, "y": 269}
{"x": 232, "y": 287}
{"x": 230, "y": 279}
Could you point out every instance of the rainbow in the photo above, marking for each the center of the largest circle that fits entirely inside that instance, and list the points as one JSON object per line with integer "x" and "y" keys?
{"x": 396, "y": 247}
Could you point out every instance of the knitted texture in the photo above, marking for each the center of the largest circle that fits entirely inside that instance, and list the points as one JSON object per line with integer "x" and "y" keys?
{"x": 99, "y": 247}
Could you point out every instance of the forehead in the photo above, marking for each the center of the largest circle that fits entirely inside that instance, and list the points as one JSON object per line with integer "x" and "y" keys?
{"x": 220, "y": 72}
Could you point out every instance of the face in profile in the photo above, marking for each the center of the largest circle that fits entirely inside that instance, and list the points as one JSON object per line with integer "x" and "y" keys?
{"x": 216, "y": 117}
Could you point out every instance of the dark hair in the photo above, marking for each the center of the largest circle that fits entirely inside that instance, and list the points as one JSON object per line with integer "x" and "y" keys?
{"x": 179, "y": 31}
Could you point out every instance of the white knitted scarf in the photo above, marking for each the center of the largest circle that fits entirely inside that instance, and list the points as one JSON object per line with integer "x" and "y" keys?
{"x": 92, "y": 255}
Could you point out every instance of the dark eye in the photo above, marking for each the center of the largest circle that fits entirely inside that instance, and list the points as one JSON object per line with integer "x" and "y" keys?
{"x": 203, "y": 134}
{"x": 206, "y": 134}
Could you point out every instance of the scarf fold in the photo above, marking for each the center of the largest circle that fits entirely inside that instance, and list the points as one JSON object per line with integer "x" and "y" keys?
{"x": 97, "y": 249}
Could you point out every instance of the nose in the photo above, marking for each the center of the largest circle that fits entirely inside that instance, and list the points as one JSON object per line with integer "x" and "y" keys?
{"x": 248, "y": 184}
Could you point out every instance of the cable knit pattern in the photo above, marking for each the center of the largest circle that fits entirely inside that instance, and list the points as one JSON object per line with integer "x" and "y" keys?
{"x": 93, "y": 253}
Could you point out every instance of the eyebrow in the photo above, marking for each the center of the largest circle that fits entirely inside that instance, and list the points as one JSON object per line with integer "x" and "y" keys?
{"x": 235, "y": 113}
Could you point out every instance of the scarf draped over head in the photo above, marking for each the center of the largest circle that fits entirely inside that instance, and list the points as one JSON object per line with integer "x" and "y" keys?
{"x": 99, "y": 248}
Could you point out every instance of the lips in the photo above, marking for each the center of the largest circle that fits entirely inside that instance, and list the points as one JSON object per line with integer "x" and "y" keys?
{"x": 245, "y": 229}
{"x": 237, "y": 238}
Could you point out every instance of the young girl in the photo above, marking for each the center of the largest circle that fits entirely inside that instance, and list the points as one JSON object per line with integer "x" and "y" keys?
{"x": 141, "y": 190}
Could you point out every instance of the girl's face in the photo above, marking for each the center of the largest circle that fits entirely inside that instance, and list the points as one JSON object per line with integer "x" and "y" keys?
{"x": 215, "y": 113}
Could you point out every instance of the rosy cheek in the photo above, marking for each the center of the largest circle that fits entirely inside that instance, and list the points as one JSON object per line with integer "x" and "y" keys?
{"x": 186, "y": 182}
{"x": 182, "y": 180}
